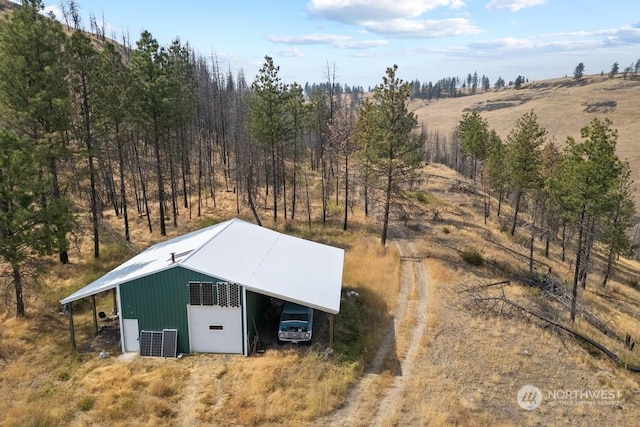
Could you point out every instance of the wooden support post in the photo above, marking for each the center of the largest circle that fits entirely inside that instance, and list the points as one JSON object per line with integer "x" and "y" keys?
{"x": 115, "y": 302}
{"x": 72, "y": 331}
{"x": 95, "y": 316}
{"x": 332, "y": 328}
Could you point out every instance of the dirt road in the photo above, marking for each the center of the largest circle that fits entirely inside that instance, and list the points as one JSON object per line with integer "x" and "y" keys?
{"x": 377, "y": 398}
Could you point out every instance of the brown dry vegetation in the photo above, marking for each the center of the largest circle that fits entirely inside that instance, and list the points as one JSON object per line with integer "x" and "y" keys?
{"x": 563, "y": 106}
{"x": 473, "y": 362}
{"x": 466, "y": 370}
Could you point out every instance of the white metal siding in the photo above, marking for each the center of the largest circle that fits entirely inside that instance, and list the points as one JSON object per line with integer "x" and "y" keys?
{"x": 215, "y": 329}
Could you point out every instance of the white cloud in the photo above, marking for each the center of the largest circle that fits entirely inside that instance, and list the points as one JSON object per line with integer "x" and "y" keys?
{"x": 356, "y": 11}
{"x": 569, "y": 43}
{"x": 335, "y": 40}
{"x": 414, "y": 28}
{"x": 292, "y": 52}
{"x": 514, "y": 5}
{"x": 625, "y": 35}
{"x": 398, "y": 18}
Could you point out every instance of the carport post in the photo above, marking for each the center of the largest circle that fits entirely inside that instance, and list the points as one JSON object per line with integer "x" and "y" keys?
{"x": 95, "y": 317}
{"x": 72, "y": 331}
{"x": 332, "y": 327}
{"x": 115, "y": 302}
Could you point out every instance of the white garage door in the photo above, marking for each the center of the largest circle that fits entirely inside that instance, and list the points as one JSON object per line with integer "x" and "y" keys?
{"x": 215, "y": 329}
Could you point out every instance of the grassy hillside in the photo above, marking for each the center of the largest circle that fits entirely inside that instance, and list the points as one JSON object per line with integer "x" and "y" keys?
{"x": 563, "y": 107}
{"x": 6, "y": 6}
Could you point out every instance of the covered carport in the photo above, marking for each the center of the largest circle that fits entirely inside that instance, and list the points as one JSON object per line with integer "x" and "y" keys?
{"x": 154, "y": 289}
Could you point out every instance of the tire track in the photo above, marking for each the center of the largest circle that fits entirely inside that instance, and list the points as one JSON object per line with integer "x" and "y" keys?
{"x": 371, "y": 401}
{"x": 392, "y": 402}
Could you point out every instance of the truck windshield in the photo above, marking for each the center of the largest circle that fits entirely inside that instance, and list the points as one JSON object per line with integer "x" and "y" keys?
{"x": 300, "y": 317}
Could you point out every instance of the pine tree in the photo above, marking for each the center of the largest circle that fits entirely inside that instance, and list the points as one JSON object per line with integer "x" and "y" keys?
{"x": 473, "y": 133}
{"x": 111, "y": 101}
{"x": 267, "y": 118}
{"x": 28, "y": 227}
{"x": 578, "y": 72}
{"x": 150, "y": 107}
{"x": 585, "y": 189}
{"x": 523, "y": 159}
{"x": 83, "y": 79}
{"x": 34, "y": 96}
{"x": 386, "y": 132}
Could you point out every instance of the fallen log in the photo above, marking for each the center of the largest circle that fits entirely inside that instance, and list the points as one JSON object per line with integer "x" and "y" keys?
{"x": 610, "y": 354}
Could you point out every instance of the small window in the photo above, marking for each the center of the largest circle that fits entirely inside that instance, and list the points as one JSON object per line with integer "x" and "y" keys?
{"x": 221, "y": 293}
{"x": 207, "y": 293}
{"x": 195, "y": 294}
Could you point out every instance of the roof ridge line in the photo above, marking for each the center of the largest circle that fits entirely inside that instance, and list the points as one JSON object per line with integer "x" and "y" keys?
{"x": 278, "y": 235}
{"x": 195, "y": 251}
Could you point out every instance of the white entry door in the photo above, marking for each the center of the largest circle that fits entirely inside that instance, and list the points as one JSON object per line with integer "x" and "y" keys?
{"x": 215, "y": 329}
{"x": 131, "y": 335}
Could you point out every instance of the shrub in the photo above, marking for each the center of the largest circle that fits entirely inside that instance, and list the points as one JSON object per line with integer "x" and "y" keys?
{"x": 63, "y": 375}
{"x": 158, "y": 388}
{"x": 472, "y": 256}
{"x": 86, "y": 403}
{"x": 446, "y": 230}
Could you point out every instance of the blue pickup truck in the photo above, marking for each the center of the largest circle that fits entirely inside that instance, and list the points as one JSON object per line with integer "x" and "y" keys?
{"x": 296, "y": 323}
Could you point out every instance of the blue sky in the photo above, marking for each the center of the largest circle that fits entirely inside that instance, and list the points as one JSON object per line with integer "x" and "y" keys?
{"x": 427, "y": 39}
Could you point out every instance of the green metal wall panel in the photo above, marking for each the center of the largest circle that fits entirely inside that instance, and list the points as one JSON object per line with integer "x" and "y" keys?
{"x": 159, "y": 301}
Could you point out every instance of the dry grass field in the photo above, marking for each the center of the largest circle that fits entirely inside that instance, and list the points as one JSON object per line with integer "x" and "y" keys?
{"x": 411, "y": 349}
{"x": 415, "y": 348}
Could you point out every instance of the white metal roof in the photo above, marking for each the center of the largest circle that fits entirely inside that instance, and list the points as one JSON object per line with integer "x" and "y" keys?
{"x": 262, "y": 260}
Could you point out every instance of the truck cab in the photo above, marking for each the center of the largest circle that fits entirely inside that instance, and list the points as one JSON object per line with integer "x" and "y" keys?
{"x": 296, "y": 323}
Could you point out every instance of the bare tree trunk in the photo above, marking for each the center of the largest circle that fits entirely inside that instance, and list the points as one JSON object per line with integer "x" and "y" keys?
{"x": 294, "y": 185}
{"x": 306, "y": 184}
{"x": 274, "y": 174}
{"x": 387, "y": 208}
{"x": 610, "y": 259}
{"x": 250, "y": 188}
{"x": 587, "y": 260}
{"x": 123, "y": 193}
{"x": 159, "y": 177}
{"x": 323, "y": 185}
{"x": 515, "y": 214}
{"x": 143, "y": 187}
{"x": 532, "y": 240}
{"x": 200, "y": 176}
{"x": 17, "y": 282}
{"x": 574, "y": 294}
{"x": 346, "y": 190}
{"x": 173, "y": 185}
{"x": 564, "y": 241}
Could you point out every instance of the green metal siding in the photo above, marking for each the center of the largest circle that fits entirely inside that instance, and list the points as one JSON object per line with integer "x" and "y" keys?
{"x": 159, "y": 301}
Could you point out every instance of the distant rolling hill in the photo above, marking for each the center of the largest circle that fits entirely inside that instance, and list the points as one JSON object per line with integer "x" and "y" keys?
{"x": 6, "y": 5}
{"x": 563, "y": 107}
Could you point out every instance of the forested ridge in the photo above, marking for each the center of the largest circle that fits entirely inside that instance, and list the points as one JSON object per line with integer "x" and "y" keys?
{"x": 90, "y": 126}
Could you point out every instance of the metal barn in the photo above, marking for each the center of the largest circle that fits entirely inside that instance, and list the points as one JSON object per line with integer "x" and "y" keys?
{"x": 205, "y": 291}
